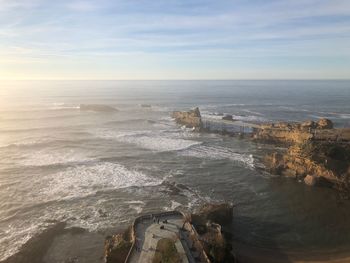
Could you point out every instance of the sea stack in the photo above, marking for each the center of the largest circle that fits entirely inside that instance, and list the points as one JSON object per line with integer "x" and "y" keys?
{"x": 191, "y": 119}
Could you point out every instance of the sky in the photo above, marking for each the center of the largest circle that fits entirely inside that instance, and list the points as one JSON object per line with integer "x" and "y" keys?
{"x": 174, "y": 39}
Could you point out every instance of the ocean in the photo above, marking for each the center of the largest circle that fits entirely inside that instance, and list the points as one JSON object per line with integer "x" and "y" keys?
{"x": 97, "y": 170}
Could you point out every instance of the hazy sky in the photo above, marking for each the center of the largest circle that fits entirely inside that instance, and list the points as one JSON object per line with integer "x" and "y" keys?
{"x": 174, "y": 39}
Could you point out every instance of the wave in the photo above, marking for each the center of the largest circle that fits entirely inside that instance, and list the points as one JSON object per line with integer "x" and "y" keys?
{"x": 155, "y": 141}
{"x": 244, "y": 118}
{"x": 47, "y": 157}
{"x": 85, "y": 180}
{"x": 52, "y": 193}
{"x": 136, "y": 205}
{"x": 220, "y": 153}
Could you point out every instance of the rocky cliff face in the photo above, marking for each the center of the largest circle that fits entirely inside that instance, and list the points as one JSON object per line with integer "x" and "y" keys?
{"x": 318, "y": 153}
{"x": 192, "y": 118}
{"x": 208, "y": 222}
{"x": 291, "y": 133}
{"x": 117, "y": 247}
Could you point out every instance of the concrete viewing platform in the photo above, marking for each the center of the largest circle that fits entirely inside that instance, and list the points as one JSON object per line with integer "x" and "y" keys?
{"x": 172, "y": 225}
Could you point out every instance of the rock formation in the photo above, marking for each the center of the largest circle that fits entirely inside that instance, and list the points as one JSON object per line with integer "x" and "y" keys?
{"x": 290, "y": 133}
{"x": 208, "y": 234}
{"x": 209, "y": 222}
{"x": 191, "y": 119}
{"x": 117, "y": 247}
{"x": 318, "y": 154}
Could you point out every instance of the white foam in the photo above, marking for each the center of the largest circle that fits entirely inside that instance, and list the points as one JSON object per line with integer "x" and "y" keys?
{"x": 247, "y": 118}
{"x": 218, "y": 153}
{"x": 27, "y": 142}
{"x": 14, "y": 236}
{"x": 85, "y": 180}
{"x": 48, "y": 157}
{"x": 174, "y": 205}
{"x": 63, "y": 106}
{"x": 152, "y": 140}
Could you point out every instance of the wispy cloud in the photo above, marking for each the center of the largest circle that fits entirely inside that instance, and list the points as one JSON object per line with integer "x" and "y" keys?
{"x": 184, "y": 32}
{"x": 82, "y": 6}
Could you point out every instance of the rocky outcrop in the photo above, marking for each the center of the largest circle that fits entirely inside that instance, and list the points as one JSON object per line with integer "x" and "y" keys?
{"x": 316, "y": 163}
{"x": 325, "y": 124}
{"x": 208, "y": 222}
{"x": 117, "y": 247}
{"x": 290, "y": 133}
{"x": 310, "y": 180}
{"x": 191, "y": 119}
{"x": 218, "y": 213}
{"x": 318, "y": 154}
{"x": 97, "y": 108}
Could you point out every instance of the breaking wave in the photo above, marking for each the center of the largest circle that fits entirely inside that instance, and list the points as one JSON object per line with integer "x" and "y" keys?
{"x": 84, "y": 180}
{"x": 160, "y": 142}
{"x": 47, "y": 157}
{"x": 218, "y": 153}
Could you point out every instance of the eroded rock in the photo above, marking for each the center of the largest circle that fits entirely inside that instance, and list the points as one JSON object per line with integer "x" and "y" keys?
{"x": 191, "y": 119}
{"x": 117, "y": 247}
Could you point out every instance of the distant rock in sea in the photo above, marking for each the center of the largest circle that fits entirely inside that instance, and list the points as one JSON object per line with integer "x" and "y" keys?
{"x": 97, "y": 108}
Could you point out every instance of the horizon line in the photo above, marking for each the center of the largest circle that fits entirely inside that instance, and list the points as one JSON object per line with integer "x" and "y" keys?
{"x": 286, "y": 79}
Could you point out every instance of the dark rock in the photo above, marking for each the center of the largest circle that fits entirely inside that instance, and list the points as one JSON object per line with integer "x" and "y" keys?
{"x": 117, "y": 247}
{"x": 218, "y": 213}
{"x": 324, "y": 124}
{"x": 310, "y": 180}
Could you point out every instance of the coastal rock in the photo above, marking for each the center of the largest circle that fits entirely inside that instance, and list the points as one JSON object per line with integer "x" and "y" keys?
{"x": 310, "y": 180}
{"x": 97, "y": 108}
{"x": 208, "y": 222}
{"x": 318, "y": 154}
{"x": 192, "y": 118}
{"x": 324, "y": 124}
{"x": 218, "y": 213}
{"x": 284, "y": 133}
{"x": 308, "y": 125}
{"x": 117, "y": 247}
{"x": 294, "y": 133}
{"x": 317, "y": 163}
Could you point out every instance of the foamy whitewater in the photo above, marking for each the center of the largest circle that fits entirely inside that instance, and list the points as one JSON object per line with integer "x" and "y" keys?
{"x": 98, "y": 170}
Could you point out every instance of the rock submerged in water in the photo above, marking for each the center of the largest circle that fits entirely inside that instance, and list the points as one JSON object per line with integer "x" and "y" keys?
{"x": 97, "y": 108}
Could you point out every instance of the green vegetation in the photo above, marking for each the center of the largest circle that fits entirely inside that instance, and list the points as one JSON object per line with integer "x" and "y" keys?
{"x": 166, "y": 252}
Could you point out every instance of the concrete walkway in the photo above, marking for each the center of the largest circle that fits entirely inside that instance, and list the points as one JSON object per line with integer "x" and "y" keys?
{"x": 149, "y": 233}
